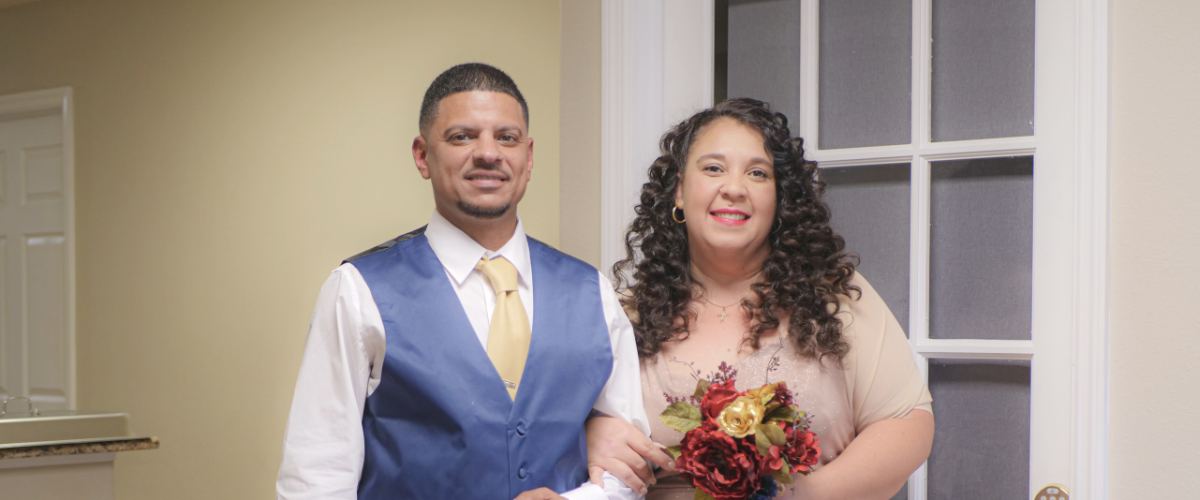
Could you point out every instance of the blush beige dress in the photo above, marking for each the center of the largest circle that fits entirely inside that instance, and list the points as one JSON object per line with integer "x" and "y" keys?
{"x": 878, "y": 379}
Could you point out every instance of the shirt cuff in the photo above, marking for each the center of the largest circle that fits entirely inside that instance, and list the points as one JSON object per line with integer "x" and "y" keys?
{"x": 613, "y": 489}
{"x": 586, "y": 491}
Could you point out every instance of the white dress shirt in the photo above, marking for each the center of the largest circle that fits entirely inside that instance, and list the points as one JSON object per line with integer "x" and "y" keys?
{"x": 323, "y": 445}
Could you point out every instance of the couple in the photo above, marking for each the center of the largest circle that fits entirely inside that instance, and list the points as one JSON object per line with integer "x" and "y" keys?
{"x": 464, "y": 359}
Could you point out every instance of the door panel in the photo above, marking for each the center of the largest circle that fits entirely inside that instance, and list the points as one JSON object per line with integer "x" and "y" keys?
{"x": 44, "y": 294}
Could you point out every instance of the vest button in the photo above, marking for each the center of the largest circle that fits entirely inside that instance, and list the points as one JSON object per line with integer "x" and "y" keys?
{"x": 522, "y": 473}
{"x": 521, "y": 429}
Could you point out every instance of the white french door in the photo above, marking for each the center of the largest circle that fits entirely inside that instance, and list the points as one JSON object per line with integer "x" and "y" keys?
{"x": 37, "y": 252}
{"x": 964, "y": 143}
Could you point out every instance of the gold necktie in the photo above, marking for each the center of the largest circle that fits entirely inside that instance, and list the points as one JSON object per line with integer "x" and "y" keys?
{"x": 508, "y": 336}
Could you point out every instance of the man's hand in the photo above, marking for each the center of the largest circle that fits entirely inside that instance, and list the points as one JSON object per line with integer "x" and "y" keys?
{"x": 540, "y": 494}
{"x": 621, "y": 449}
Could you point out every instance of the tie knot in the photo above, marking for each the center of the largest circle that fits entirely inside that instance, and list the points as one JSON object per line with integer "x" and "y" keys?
{"x": 500, "y": 272}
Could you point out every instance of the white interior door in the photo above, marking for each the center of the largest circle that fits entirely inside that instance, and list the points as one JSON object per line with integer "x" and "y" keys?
{"x": 36, "y": 255}
{"x": 964, "y": 142}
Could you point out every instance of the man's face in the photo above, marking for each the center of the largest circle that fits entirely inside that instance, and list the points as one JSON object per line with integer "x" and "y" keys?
{"x": 477, "y": 155}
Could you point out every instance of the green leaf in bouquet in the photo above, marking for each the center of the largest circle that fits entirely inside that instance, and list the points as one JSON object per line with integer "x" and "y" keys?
{"x": 702, "y": 495}
{"x": 763, "y": 445}
{"x": 780, "y": 413}
{"x": 701, "y": 388}
{"x": 771, "y": 432}
{"x": 767, "y": 399}
{"x": 784, "y": 475}
{"x": 675, "y": 451}
{"x": 681, "y": 416}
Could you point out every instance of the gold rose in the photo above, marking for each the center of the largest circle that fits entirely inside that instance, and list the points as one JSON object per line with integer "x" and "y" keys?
{"x": 764, "y": 394}
{"x": 739, "y": 418}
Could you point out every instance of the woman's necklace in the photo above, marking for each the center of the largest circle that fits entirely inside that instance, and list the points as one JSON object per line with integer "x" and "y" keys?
{"x": 721, "y": 317}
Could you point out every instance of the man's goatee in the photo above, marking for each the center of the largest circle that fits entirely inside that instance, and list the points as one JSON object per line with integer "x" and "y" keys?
{"x": 483, "y": 213}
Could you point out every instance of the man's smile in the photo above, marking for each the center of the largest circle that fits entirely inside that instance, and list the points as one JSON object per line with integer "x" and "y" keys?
{"x": 486, "y": 179}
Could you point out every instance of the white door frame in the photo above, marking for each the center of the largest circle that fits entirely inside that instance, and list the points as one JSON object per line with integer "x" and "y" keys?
{"x": 656, "y": 62}
{"x": 58, "y": 102}
{"x": 647, "y": 48}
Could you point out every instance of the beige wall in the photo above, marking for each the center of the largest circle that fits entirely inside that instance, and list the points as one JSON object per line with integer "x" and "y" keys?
{"x": 229, "y": 154}
{"x": 1155, "y": 339}
{"x": 579, "y": 184}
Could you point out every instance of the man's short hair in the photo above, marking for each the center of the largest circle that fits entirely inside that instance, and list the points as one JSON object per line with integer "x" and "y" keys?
{"x": 463, "y": 78}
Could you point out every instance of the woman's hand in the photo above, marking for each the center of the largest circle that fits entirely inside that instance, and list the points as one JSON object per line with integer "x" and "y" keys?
{"x": 617, "y": 447}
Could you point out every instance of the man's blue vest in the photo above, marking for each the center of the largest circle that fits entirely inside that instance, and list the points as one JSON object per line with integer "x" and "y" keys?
{"x": 441, "y": 424}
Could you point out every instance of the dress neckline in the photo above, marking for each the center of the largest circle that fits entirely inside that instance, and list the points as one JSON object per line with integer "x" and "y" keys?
{"x": 670, "y": 379}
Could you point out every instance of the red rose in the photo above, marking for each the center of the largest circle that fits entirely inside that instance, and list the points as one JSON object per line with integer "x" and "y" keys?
{"x": 722, "y": 466}
{"x": 802, "y": 448}
{"x": 717, "y": 397}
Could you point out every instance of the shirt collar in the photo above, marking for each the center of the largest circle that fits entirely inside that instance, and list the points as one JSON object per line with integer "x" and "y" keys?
{"x": 459, "y": 253}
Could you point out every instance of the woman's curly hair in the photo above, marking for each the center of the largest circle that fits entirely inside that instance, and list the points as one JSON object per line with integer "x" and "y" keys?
{"x": 804, "y": 273}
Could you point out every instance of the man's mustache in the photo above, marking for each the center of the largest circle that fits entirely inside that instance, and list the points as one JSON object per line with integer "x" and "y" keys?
{"x": 488, "y": 168}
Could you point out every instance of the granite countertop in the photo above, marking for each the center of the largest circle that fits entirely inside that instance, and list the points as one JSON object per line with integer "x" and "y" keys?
{"x": 107, "y": 446}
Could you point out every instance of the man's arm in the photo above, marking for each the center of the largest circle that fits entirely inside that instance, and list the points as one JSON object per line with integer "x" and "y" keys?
{"x": 621, "y": 396}
{"x": 323, "y": 443}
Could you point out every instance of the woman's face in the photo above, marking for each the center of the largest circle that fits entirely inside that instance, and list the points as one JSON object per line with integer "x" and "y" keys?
{"x": 728, "y": 189}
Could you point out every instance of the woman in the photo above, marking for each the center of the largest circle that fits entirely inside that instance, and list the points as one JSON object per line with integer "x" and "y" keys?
{"x": 740, "y": 266}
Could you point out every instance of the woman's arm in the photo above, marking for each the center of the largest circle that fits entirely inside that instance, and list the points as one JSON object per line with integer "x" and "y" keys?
{"x": 876, "y": 463}
{"x": 893, "y": 424}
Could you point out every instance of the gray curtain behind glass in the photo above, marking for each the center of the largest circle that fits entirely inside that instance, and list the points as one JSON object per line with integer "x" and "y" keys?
{"x": 866, "y": 73}
{"x": 764, "y": 54}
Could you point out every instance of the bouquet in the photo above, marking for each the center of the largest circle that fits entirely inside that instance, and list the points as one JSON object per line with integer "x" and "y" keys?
{"x": 740, "y": 445}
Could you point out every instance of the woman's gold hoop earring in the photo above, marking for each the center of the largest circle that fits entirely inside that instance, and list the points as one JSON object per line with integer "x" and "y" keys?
{"x": 678, "y": 218}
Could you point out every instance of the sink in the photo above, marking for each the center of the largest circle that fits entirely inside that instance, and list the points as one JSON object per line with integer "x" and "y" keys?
{"x": 63, "y": 427}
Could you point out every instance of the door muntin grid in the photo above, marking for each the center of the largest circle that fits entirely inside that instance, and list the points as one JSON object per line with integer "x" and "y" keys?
{"x": 930, "y": 117}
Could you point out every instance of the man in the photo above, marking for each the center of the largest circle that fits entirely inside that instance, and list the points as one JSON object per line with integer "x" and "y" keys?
{"x": 461, "y": 360}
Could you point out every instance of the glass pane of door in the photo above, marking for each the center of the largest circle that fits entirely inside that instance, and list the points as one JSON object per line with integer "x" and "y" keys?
{"x": 981, "y": 443}
{"x": 870, "y": 209}
{"x": 981, "y": 249}
{"x": 982, "y": 76}
{"x": 763, "y": 53}
{"x": 866, "y": 73}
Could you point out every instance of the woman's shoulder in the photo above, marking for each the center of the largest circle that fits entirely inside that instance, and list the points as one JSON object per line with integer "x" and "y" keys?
{"x": 863, "y": 310}
{"x": 881, "y": 375}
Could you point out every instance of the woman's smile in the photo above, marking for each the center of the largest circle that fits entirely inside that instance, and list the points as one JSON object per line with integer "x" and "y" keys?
{"x": 730, "y": 217}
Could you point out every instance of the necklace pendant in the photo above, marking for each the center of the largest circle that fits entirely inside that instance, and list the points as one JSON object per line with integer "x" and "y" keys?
{"x": 722, "y": 315}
